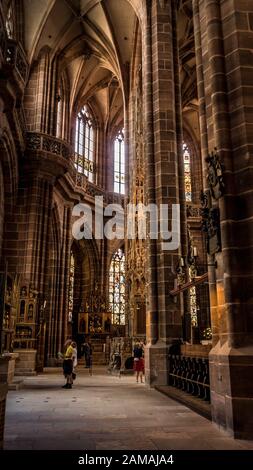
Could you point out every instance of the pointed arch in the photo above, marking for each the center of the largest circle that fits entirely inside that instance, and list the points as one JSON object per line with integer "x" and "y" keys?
{"x": 85, "y": 143}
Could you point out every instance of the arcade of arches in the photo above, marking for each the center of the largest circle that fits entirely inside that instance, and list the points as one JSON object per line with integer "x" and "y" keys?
{"x": 142, "y": 102}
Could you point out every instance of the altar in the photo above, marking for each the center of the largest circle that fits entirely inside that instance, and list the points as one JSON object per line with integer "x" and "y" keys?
{"x": 93, "y": 324}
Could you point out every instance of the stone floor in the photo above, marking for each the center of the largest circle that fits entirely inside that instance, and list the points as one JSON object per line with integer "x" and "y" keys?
{"x": 104, "y": 412}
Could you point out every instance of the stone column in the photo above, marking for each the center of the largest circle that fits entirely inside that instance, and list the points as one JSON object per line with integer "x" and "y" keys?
{"x": 152, "y": 307}
{"x": 204, "y": 153}
{"x": 228, "y": 34}
{"x": 39, "y": 203}
{"x": 64, "y": 287}
{"x": 53, "y": 289}
{"x": 184, "y": 298}
{"x": 162, "y": 156}
{"x": 57, "y": 321}
{"x": 39, "y": 190}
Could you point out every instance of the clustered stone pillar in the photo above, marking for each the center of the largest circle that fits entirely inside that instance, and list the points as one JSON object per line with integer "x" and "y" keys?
{"x": 224, "y": 41}
{"x": 39, "y": 205}
{"x": 58, "y": 283}
{"x": 184, "y": 298}
{"x": 164, "y": 318}
{"x": 204, "y": 154}
{"x": 39, "y": 190}
{"x": 152, "y": 307}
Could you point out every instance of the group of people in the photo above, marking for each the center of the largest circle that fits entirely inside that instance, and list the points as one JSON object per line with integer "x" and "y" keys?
{"x": 70, "y": 360}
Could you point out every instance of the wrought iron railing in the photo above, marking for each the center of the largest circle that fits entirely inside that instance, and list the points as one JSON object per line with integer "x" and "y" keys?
{"x": 191, "y": 375}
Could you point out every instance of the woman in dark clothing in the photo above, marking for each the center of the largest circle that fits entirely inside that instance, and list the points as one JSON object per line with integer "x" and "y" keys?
{"x": 87, "y": 351}
{"x": 138, "y": 361}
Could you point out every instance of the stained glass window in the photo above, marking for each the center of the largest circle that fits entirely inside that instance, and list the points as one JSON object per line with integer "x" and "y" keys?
{"x": 193, "y": 306}
{"x": 71, "y": 286}
{"x": 119, "y": 163}
{"x": 117, "y": 288}
{"x": 10, "y": 22}
{"x": 193, "y": 301}
{"x": 84, "y": 144}
{"x": 187, "y": 172}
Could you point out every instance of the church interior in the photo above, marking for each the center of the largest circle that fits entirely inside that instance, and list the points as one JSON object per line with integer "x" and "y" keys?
{"x": 145, "y": 103}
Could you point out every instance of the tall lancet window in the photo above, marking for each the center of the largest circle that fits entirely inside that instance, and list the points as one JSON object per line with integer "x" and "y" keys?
{"x": 85, "y": 144}
{"x": 10, "y": 21}
{"x": 187, "y": 173}
{"x": 59, "y": 117}
{"x": 117, "y": 288}
{"x": 71, "y": 286}
{"x": 119, "y": 163}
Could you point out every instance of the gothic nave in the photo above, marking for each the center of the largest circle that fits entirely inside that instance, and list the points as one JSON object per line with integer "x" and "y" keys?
{"x": 126, "y": 212}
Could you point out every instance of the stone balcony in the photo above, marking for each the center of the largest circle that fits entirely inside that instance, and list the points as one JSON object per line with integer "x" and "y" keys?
{"x": 49, "y": 144}
{"x": 109, "y": 197}
{"x": 114, "y": 198}
{"x": 78, "y": 180}
{"x": 49, "y": 153}
{"x": 56, "y": 156}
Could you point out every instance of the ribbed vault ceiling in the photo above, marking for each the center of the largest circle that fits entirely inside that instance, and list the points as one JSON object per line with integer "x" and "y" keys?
{"x": 94, "y": 41}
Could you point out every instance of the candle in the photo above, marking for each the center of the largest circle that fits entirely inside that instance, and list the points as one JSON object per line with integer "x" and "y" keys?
{"x": 195, "y": 251}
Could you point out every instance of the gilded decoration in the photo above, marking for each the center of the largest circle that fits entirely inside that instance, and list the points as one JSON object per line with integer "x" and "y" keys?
{"x": 136, "y": 275}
